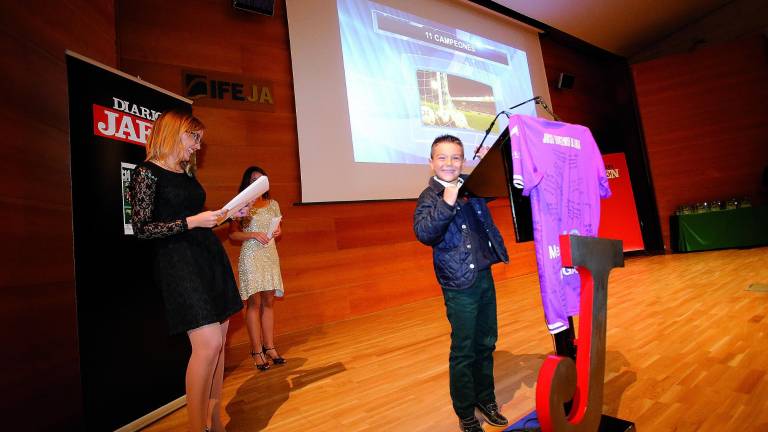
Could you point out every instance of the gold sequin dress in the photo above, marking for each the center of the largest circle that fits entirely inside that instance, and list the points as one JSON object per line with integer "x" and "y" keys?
{"x": 259, "y": 265}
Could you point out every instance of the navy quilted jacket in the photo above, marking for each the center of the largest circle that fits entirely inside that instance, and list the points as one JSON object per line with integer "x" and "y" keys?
{"x": 444, "y": 227}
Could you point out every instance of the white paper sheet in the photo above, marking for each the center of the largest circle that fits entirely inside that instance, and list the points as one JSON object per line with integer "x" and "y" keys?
{"x": 273, "y": 225}
{"x": 253, "y": 191}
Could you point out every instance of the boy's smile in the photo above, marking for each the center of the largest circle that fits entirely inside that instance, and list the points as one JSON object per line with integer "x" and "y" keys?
{"x": 447, "y": 161}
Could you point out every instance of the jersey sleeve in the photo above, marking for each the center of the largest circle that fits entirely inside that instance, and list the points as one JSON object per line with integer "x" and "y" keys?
{"x": 525, "y": 174}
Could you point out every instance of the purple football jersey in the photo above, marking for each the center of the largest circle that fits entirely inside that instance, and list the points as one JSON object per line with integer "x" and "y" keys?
{"x": 560, "y": 167}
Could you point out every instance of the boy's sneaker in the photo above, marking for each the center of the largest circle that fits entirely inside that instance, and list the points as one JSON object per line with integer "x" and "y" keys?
{"x": 490, "y": 412}
{"x": 470, "y": 424}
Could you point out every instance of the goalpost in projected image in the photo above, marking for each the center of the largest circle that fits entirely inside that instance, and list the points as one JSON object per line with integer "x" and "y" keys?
{"x": 455, "y": 102}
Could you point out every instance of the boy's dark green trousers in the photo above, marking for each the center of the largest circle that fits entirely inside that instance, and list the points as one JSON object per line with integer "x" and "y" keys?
{"x": 472, "y": 314}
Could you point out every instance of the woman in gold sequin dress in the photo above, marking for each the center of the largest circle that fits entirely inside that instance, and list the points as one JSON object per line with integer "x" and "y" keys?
{"x": 259, "y": 268}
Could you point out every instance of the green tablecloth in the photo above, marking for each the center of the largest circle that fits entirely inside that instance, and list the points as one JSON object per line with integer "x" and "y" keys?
{"x": 742, "y": 227}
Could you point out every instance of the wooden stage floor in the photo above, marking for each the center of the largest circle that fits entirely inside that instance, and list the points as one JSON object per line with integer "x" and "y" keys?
{"x": 687, "y": 351}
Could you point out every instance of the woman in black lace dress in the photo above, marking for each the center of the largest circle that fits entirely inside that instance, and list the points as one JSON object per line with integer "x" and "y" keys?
{"x": 190, "y": 265}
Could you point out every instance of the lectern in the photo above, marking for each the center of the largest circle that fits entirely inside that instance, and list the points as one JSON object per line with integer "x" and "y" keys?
{"x": 491, "y": 178}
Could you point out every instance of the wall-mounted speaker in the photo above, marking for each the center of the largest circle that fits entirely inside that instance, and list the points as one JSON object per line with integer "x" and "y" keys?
{"x": 565, "y": 81}
{"x": 264, "y": 7}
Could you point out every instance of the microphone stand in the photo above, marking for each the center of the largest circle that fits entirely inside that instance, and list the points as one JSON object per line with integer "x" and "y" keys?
{"x": 537, "y": 99}
{"x": 488, "y": 131}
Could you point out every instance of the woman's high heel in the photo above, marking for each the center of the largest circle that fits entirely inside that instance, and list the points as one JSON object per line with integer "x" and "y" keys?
{"x": 262, "y": 364}
{"x": 276, "y": 360}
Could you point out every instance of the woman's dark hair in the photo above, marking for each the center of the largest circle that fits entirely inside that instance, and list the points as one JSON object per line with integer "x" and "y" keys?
{"x": 247, "y": 178}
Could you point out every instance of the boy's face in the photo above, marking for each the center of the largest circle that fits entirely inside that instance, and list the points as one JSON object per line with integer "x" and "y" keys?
{"x": 447, "y": 161}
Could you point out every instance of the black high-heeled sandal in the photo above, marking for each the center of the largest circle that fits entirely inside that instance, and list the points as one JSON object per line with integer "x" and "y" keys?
{"x": 264, "y": 365}
{"x": 276, "y": 360}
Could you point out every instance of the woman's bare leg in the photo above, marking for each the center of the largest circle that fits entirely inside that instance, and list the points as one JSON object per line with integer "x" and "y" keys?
{"x": 268, "y": 320}
{"x": 214, "y": 403}
{"x": 253, "y": 321}
{"x": 253, "y": 324}
{"x": 206, "y": 348}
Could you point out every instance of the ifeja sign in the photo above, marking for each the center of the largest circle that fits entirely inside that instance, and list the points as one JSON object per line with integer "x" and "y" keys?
{"x": 221, "y": 90}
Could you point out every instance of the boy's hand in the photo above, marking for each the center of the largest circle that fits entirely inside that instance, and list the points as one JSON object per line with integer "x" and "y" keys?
{"x": 450, "y": 194}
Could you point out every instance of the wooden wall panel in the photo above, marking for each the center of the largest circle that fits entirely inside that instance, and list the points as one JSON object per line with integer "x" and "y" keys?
{"x": 591, "y": 100}
{"x": 338, "y": 260}
{"x": 704, "y": 117}
{"x": 37, "y": 291}
{"x": 602, "y": 98}
{"x": 40, "y": 172}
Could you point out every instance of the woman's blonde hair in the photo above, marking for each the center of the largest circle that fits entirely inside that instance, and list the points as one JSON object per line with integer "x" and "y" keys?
{"x": 165, "y": 138}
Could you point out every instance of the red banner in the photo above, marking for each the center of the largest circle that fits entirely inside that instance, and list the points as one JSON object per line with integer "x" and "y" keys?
{"x": 110, "y": 123}
{"x": 618, "y": 214}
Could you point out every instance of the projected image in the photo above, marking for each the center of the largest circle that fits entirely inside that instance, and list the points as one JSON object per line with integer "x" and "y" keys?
{"x": 452, "y": 101}
{"x": 410, "y": 79}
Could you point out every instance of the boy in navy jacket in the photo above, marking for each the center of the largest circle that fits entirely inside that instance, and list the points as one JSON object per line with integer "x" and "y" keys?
{"x": 465, "y": 243}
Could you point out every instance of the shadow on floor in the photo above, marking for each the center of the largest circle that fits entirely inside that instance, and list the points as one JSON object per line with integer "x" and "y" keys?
{"x": 617, "y": 379}
{"x": 525, "y": 370}
{"x": 258, "y": 398}
{"x": 238, "y": 353}
{"x": 523, "y": 367}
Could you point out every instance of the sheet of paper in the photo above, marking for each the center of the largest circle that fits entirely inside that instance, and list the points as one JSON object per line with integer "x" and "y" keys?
{"x": 273, "y": 225}
{"x": 253, "y": 191}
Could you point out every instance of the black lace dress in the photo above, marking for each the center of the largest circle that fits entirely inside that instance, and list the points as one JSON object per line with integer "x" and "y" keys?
{"x": 190, "y": 265}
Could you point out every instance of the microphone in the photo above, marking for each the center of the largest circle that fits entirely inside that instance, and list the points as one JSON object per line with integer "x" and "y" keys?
{"x": 540, "y": 101}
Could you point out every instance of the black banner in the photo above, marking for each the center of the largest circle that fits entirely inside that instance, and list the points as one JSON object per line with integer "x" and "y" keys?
{"x": 128, "y": 364}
